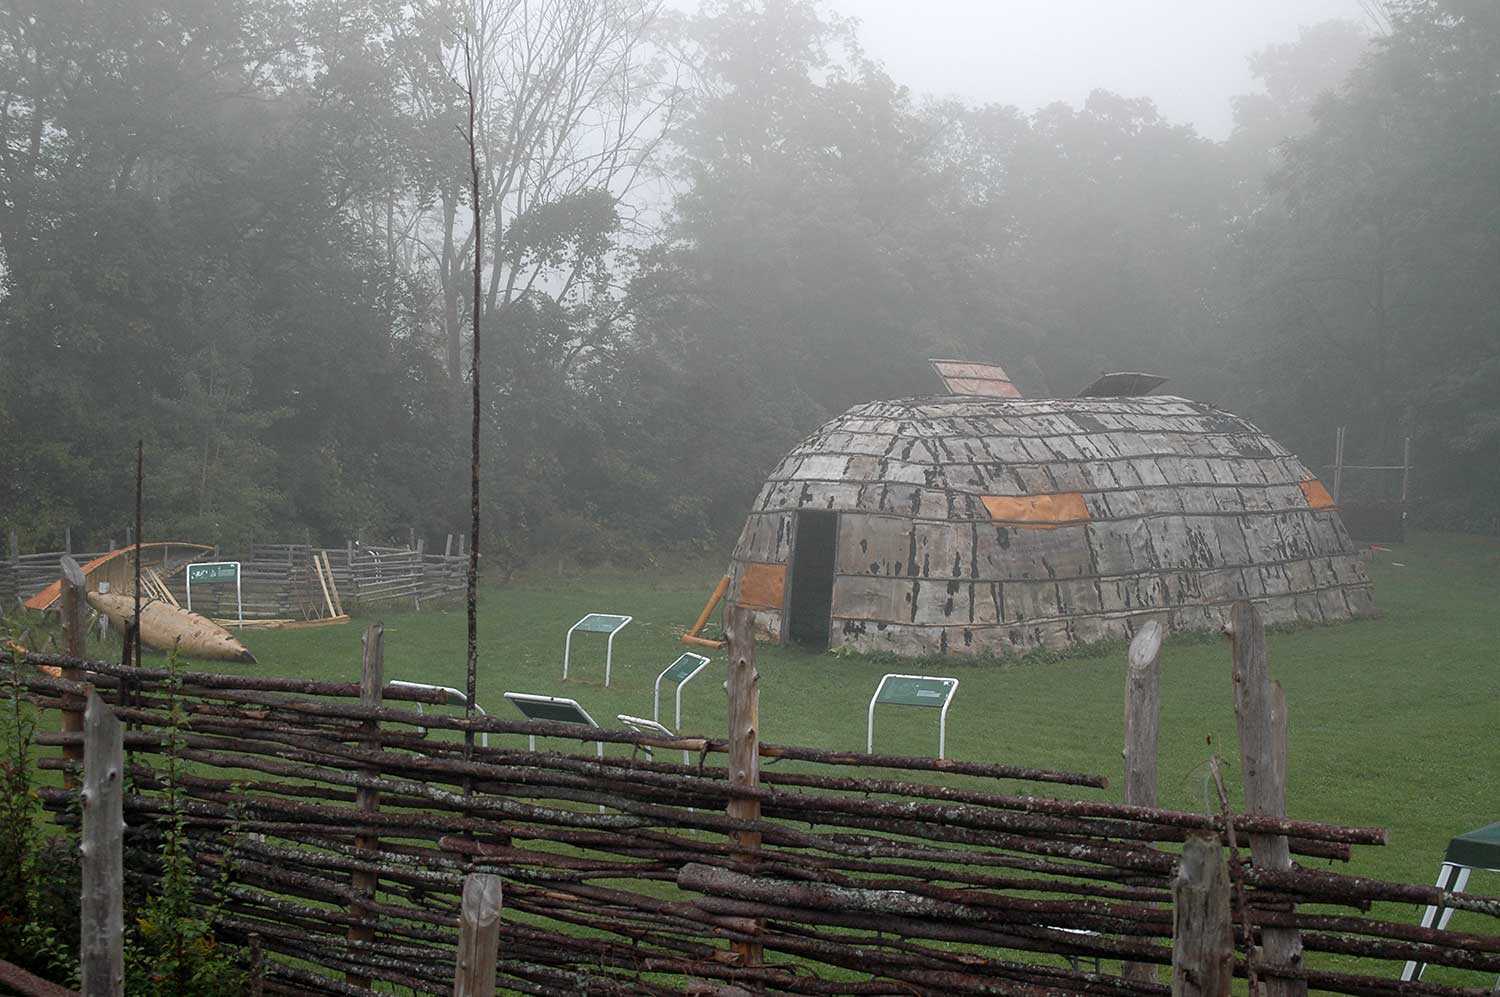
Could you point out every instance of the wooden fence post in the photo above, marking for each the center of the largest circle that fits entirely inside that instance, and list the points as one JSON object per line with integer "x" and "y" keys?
{"x": 101, "y": 946}
{"x": 478, "y": 936}
{"x": 371, "y": 682}
{"x": 257, "y": 967}
{"x": 744, "y": 745}
{"x": 1262, "y": 733}
{"x": 74, "y": 607}
{"x": 1202, "y": 933}
{"x": 1142, "y": 726}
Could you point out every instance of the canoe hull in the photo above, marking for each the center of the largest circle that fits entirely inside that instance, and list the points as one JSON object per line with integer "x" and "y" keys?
{"x": 164, "y": 627}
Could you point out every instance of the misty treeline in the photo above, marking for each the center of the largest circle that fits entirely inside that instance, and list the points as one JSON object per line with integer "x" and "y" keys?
{"x": 239, "y": 229}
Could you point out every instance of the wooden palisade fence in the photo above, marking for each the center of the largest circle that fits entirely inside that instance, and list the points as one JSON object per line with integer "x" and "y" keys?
{"x": 338, "y": 813}
{"x": 282, "y": 581}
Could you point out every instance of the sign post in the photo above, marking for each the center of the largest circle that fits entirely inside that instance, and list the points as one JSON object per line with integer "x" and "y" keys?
{"x": 216, "y": 573}
{"x": 599, "y": 623}
{"x": 679, "y": 671}
{"x": 934, "y": 692}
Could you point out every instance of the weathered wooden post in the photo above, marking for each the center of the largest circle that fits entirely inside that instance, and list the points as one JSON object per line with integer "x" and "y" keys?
{"x": 101, "y": 948}
{"x": 74, "y": 608}
{"x": 371, "y": 682}
{"x": 744, "y": 745}
{"x": 1202, "y": 933}
{"x": 1262, "y": 733}
{"x": 257, "y": 967}
{"x": 1143, "y": 715}
{"x": 478, "y": 936}
{"x": 1142, "y": 727}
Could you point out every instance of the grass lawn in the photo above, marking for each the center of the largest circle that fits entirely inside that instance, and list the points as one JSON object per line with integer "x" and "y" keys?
{"x": 1393, "y": 721}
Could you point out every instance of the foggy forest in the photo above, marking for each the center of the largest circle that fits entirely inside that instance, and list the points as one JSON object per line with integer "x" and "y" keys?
{"x": 242, "y": 231}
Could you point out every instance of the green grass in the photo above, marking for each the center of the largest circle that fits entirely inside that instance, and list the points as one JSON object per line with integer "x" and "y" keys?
{"x": 1393, "y": 721}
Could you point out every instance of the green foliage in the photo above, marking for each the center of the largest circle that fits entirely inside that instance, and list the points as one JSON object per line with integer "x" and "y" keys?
{"x": 35, "y": 929}
{"x": 171, "y": 949}
{"x": 240, "y": 231}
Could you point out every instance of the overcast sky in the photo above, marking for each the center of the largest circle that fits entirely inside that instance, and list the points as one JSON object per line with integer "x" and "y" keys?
{"x": 1187, "y": 55}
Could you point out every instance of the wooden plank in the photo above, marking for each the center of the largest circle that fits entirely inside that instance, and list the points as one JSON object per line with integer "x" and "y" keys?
{"x": 1262, "y": 734}
{"x": 317, "y": 567}
{"x": 1142, "y": 725}
{"x": 1202, "y": 935}
{"x": 74, "y": 607}
{"x": 478, "y": 936}
{"x": 366, "y": 883}
{"x": 101, "y": 952}
{"x": 744, "y": 747}
{"x": 338, "y": 604}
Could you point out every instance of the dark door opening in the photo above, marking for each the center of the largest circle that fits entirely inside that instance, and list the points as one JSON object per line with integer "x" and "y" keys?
{"x": 812, "y": 577}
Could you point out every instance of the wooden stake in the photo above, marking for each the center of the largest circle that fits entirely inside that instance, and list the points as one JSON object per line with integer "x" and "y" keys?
{"x": 257, "y": 967}
{"x": 1202, "y": 934}
{"x": 744, "y": 745}
{"x": 478, "y": 936}
{"x": 1262, "y": 733}
{"x": 74, "y": 606}
{"x": 1143, "y": 715}
{"x": 1142, "y": 727}
{"x": 101, "y": 949}
{"x": 371, "y": 682}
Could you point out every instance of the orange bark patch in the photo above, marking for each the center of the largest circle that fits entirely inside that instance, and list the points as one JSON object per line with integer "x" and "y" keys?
{"x": 1040, "y": 511}
{"x": 763, "y": 586}
{"x": 1317, "y": 495}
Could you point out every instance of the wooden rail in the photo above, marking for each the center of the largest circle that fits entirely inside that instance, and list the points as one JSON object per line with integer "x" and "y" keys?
{"x": 340, "y": 826}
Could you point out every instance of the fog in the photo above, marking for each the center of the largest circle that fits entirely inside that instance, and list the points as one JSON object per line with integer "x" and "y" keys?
{"x": 1189, "y": 56}
{"x": 244, "y": 232}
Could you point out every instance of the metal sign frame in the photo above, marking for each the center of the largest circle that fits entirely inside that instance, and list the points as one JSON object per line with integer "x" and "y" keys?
{"x": 238, "y": 598}
{"x": 952, "y": 687}
{"x": 522, "y": 698}
{"x": 703, "y": 662}
{"x": 643, "y": 726}
{"x": 455, "y": 698}
{"x": 609, "y": 648}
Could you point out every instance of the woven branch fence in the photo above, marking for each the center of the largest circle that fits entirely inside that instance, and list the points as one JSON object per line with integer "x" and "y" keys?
{"x": 280, "y": 581}
{"x": 340, "y": 828}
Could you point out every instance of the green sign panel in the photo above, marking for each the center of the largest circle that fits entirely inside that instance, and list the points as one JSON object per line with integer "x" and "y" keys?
{"x": 903, "y": 690}
{"x": 556, "y": 709}
{"x": 217, "y": 571}
{"x": 601, "y": 623}
{"x": 683, "y": 668}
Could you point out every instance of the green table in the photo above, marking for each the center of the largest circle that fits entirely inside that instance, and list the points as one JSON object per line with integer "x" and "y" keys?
{"x": 930, "y": 691}
{"x": 1476, "y": 849}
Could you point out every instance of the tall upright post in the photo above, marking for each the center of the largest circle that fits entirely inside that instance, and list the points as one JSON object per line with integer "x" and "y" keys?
{"x": 478, "y": 936}
{"x": 74, "y": 603}
{"x": 1142, "y": 714}
{"x": 1262, "y": 733}
{"x": 371, "y": 682}
{"x": 1202, "y": 933}
{"x": 1338, "y": 464}
{"x": 101, "y": 946}
{"x": 1405, "y": 467}
{"x": 1142, "y": 726}
{"x": 744, "y": 745}
{"x": 67, "y": 539}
